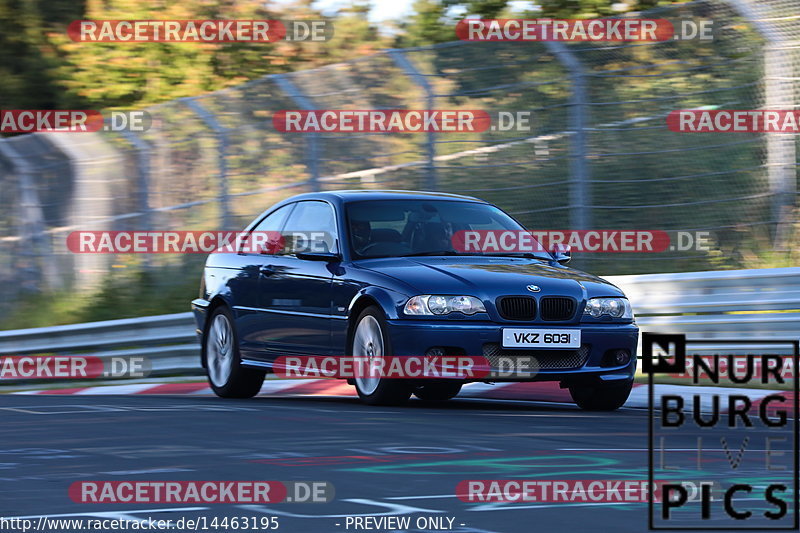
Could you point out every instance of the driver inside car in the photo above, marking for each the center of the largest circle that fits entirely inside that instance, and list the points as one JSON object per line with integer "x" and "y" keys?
{"x": 360, "y": 231}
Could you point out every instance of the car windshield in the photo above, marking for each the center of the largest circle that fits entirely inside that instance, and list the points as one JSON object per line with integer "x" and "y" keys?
{"x": 403, "y": 228}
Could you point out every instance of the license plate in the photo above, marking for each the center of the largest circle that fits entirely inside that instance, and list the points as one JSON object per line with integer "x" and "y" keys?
{"x": 541, "y": 338}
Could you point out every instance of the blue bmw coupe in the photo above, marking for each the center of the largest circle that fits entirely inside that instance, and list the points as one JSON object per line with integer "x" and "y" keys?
{"x": 383, "y": 279}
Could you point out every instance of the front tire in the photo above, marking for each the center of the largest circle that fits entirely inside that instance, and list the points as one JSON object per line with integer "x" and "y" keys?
{"x": 226, "y": 375}
{"x": 370, "y": 341}
{"x": 601, "y": 396}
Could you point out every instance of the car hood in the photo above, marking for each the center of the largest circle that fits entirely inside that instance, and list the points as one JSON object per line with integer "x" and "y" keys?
{"x": 489, "y": 277}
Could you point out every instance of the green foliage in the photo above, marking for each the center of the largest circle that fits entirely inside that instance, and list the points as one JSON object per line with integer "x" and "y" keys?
{"x": 427, "y": 25}
{"x": 127, "y": 293}
{"x": 42, "y": 68}
{"x": 25, "y": 66}
{"x": 593, "y": 8}
{"x": 487, "y": 9}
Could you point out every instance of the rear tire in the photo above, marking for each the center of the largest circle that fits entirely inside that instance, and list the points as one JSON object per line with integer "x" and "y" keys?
{"x": 438, "y": 391}
{"x": 226, "y": 375}
{"x": 601, "y": 396}
{"x": 371, "y": 340}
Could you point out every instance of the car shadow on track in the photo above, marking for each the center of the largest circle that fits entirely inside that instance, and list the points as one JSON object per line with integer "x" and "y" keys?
{"x": 454, "y": 405}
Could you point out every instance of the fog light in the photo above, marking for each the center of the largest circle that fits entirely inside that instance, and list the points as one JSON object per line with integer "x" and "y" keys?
{"x": 618, "y": 357}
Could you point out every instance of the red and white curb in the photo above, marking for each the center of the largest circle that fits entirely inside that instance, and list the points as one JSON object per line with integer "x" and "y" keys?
{"x": 540, "y": 391}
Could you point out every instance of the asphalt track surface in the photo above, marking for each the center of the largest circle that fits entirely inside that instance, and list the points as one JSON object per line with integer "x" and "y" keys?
{"x": 399, "y": 461}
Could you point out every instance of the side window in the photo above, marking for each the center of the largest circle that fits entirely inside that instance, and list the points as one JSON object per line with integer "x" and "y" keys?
{"x": 312, "y": 227}
{"x": 272, "y": 222}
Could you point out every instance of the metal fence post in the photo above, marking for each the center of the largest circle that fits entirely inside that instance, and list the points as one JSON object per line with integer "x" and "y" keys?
{"x": 779, "y": 78}
{"x": 91, "y": 202}
{"x": 400, "y": 59}
{"x": 221, "y": 133}
{"x": 580, "y": 198}
{"x": 143, "y": 177}
{"x": 31, "y": 224}
{"x": 312, "y": 137}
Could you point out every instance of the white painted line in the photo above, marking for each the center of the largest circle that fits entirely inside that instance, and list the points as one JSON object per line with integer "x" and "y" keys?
{"x": 117, "y": 389}
{"x": 278, "y": 385}
{"x": 476, "y": 389}
{"x": 639, "y": 395}
{"x": 111, "y": 513}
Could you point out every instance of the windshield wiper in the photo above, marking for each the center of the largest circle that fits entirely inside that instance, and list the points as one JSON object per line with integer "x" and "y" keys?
{"x": 442, "y": 252}
{"x": 528, "y": 255}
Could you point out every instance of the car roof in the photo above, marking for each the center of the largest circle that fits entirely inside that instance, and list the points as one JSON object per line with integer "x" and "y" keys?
{"x": 357, "y": 195}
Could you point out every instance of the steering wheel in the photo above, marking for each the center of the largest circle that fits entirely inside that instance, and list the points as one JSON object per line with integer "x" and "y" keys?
{"x": 368, "y": 247}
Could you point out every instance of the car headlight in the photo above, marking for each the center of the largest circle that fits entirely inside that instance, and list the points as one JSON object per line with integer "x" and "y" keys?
{"x": 437, "y": 304}
{"x": 613, "y": 307}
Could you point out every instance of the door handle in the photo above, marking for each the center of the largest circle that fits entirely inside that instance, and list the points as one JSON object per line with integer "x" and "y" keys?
{"x": 266, "y": 270}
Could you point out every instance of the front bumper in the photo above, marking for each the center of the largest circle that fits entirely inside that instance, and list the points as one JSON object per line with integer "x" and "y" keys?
{"x": 200, "y": 310}
{"x": 485, "y": 339}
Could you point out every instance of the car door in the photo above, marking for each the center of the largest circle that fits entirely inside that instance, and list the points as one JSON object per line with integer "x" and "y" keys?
{"x": 251, "y": 320}
{"x": 297, "y": 292}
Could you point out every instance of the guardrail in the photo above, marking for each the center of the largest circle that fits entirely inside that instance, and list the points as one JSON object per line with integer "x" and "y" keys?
{"x": 736, "y": 304}
{"x": 167, "y": 341}
{"x": 755, "y": 304}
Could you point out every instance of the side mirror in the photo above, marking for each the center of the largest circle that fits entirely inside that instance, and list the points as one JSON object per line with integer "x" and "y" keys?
{"x": 562, "y": 254}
